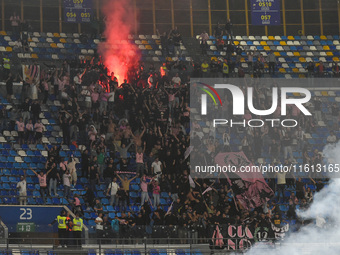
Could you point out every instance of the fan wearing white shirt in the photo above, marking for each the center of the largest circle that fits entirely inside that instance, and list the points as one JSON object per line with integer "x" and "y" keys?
{"x": 331, "y": 138}
{"x": 21, "y": 186}
{"x": 113, "y": 188}
{"x": 99, "y": 226}
{"x": 176, "y": 81}
{"x": 157, "y": 167}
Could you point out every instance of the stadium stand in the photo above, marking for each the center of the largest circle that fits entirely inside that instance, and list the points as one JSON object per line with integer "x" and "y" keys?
{"x": 17, "y": 159}
{"x": 116, "y": 152}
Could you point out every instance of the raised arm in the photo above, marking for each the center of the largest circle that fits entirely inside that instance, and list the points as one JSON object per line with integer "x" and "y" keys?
{"x": 49, "y": 171}
{"x": 34, "y": 171}
{"x": 166, "y": 91}
{"x": 81, "y": 76}
{"x": 133, "y": 178}
{"x": 160, "y": 132}
{"x": 119, "y": 177}
{"x": 133, "y": 136}
{"x": 127, "y": 147}
{"x": 146, "y": 106}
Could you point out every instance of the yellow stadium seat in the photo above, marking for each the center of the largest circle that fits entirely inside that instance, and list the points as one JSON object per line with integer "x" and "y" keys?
{"x": 3, "y": 33}
{"x": 144, "y": 42}
{"x": 266, "y": 48}
{"x": 148, "y": 47}
{"x": 296, "y": 54}
{"x": 34, "y": 55}
{"x": 30, "y": 39}
{"x": 9, "y": 49}
{"x": 53, "y": 45}
{"x": 158, "y": 42}
{"x": 326, "y": 47}
{"x": 283, "y": 43}
{"x": 277, "y": 54}
{"x": 236, "y": 43}
{"x": 263, "y": 43}
{"x": 302, "y": 59}
{"x": 291, "y": 38}
{"x": 56, "y": 35}
{"x": 329, "y": 53}
{"x": 62, "y": 40}
{"x": 335, "y": 59}
{"x": 271, "y": 37}
{"x": 302, "y": 75}
{"x": 322, "y": 37}
{"x": 282, "y": 70}
{"x": 295, "y": 70}
{"x": 324, "y": 93}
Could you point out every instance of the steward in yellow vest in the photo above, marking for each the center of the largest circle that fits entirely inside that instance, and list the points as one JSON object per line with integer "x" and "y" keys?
{"x": 225, "y": 69}
{"x": 6, "y": 67}
{"x": 77, "y": 229}
{"x": 62, "y": 228}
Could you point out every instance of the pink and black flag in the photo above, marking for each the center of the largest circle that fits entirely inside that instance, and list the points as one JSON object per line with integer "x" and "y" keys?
{"x": 250, "y": 188}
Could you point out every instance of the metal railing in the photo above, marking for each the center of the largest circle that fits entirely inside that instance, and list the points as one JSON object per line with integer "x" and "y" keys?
{"x": 134, "y": 245}
{"x": 3, "y": 232}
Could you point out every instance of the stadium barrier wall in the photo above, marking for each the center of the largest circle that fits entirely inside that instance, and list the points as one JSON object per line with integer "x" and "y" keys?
{"x": 33, "y": 219}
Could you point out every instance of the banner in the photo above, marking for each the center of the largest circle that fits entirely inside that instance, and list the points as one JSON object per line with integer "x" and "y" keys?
{"x": 188, "y": 151}
{"x": 242, "y": 237}
{"x": 32, "y": 72}
{"x": 250, "y": 188}
{"x": 78, "y": 11}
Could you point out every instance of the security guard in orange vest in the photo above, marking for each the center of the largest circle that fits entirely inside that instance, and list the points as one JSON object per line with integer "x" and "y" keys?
{"x": 62, "y": 228}
{"x": 77, "y": 229}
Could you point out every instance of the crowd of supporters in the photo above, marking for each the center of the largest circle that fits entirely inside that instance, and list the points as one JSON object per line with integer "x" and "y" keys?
{"x": 140, "y": 128}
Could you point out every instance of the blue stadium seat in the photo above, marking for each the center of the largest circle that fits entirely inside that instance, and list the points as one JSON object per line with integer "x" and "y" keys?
{"x": 105, "y": 201}
{"x": 56, "y": 201}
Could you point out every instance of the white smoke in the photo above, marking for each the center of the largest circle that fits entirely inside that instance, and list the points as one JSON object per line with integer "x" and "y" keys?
{"x": 311, "y": 239}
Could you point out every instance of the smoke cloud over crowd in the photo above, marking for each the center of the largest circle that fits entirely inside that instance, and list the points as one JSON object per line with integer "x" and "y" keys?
{"x": 119, "y": 55}
{"x": 321, "y": 236}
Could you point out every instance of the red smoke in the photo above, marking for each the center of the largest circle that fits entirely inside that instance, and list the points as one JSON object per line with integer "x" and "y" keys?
{"x": 118, "y": 54}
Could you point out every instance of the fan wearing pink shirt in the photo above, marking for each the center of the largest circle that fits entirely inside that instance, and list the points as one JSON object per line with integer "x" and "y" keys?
{"x": 156, "y": 194}
{"x": 94, "y": 98}
{"x": 42, "y": 182}
{"x": 38, "y": 127}
{"x": 92, "y": 134}
{"x": 45, "y": 90}
{"x": 63, "y": 165}
{"x": 140, "y": 160}
{"x": 21, "y": 130}
{"x": 61, "y": 85}
{"x": 30, "y": 132}
{"x": 144, "y": 188}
